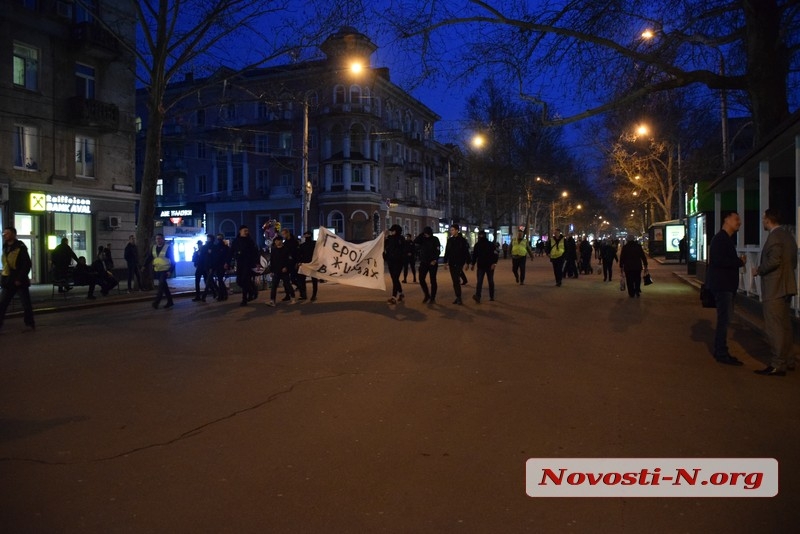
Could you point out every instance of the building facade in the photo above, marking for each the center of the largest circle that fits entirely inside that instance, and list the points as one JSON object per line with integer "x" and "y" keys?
{"x": 67, "y": 141}
{"x": 308, "y": 144}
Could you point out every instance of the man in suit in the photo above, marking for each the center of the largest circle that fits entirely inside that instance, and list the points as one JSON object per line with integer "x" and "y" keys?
{"x": 778, "y": 285}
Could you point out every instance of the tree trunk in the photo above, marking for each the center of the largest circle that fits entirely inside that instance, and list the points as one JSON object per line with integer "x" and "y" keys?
{"x": 767, "y": 65}
{"x": 147, "y": 200}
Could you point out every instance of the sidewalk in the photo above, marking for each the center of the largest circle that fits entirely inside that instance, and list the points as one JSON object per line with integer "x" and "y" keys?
{"x": 747, "y": 309}
{"x": 46, "y": 300}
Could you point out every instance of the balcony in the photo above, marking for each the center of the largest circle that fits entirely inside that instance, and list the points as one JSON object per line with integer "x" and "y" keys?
{"x": 95, "y": 40}
{"x": 93, "y": 113}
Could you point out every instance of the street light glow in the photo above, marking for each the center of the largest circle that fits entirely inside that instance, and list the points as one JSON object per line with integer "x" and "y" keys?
{"x": 648, "y": 34}
{"x": 564, "y": 194}
{"x": 642, "y": 129}
{"x": 356, "y": 67}
{"x": 478, "y": 141}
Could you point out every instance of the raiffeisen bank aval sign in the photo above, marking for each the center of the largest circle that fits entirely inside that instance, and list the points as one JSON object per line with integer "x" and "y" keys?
{"x": 60, "y": 203}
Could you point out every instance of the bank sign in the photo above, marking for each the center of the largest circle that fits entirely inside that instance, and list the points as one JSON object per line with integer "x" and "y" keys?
{"x": 60, "y": 203}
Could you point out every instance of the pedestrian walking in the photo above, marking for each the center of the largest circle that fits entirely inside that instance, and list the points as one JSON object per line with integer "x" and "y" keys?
{"x": 484, "y": 255}
{"x": 520, "y": 251}
{"x": 199, "y": 262}
{"x": 160, "y": 255}
{"x": 220, "y": 259}
{"x": 429, "y": 249}
{"x": 393, "y": 255}
{"x": 608, "y": 255}
{"x": 245, "y": 253}
{"x": 556, "y": 246}
{"x": 409, "y": 258}
{"x": 722, "y": 279}
{"x": 778, "y": 285}
{"x": 131, "y": 255}
{"x": 16, "y": 268}
{"x": 505, "y": 251}
{"x": 456, "y": 255}
{"x": 632, "y": 260}
{"x": 282, "y": 265}
{"x": 682, "y": 249}
{"x": 570, "y": 257}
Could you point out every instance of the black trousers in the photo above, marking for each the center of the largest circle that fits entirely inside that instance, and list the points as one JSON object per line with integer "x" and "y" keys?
{"x": 558, "y": 269}
{"x": 301, "y": 286}
{"x": 395, "y": 268}
{"x": 424, "y": 270}
{"x": 456, "y": 272}
{"x": 163, "y": 287}
{"x": 607, "y": 270}
{"x": 412, "y": 263}
{"x": 133, "y": 272}
{"x": 489, "y": 274}
{"x": 518, "y": 268}
{"x": 25, "y": 298}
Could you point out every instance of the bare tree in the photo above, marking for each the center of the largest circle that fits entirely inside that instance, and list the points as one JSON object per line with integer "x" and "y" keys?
{"x": 735, "y": 45}
{"x": 178, "y": 36}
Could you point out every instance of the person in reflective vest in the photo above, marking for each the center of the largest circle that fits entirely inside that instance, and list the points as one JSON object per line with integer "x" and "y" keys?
{"x": 161, "y": 257}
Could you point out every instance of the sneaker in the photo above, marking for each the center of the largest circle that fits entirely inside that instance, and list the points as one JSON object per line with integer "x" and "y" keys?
{"x": 271, "y": 303}
{"x": 476, "y": 298}
{"x": 458, "y": 301}
{"x": 392, "y": 300}
{"x": 426, "y": 299}
{"x": 729, "y": 360}
{"x": 401, "y": 297}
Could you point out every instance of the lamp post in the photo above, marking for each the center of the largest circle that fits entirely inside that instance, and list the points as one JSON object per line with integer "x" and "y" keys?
{"x": 305, "y": 191}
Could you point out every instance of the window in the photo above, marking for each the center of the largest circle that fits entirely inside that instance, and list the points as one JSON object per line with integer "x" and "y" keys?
{"x": 84, "y": 81}
{"x": 202, "y": 183}
{"x": 285, "y": 143}
{"x": 84, "y": 156}
{"x": 85, "y": 11}
{"x": 230, "y": 111}
{"x": 287, "y": 222}
{"x": 26, "y": 147}
{"x": 337, "y": 178}
{"x": 201, "y": 150}
{"x": 263, "y": 110}
{"x": 337, "y": 222}
{"x": 338, "y": 95}
{"x": 262, "y": 144}
{"x": 26, "y": 66}
{"x": 355, "y": 94}
{"x": 358, "y": 174}
{"x": 237, "y": 181}
{"x": 180, "y": 185}
{"x": 313, "y": 139}
{"x": 160, "y": 188}
{"x": 286, "y": 179}
{"x": 222, "y": 175}
{"x": 137, "y": 124}
{"x": 262, "y": 180}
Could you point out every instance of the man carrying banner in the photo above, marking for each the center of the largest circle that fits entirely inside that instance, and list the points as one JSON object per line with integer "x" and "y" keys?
{"x": 354, "y": 264}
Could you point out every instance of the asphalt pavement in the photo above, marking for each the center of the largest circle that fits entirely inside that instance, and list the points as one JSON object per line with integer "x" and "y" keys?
{"x": 353, "y": 415}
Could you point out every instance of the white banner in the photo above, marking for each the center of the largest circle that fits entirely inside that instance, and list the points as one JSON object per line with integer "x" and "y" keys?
{"x": 347, "y": 263}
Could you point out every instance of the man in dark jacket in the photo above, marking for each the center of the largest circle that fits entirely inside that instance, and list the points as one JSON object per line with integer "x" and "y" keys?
{"x": 632, "y": 260}
{"x": 282, "y": 265}
{"x": 16, "y": 266}
{"x": 485, "y": 255}
{"x": 429, "y": 248}
{"x": 409, "y": 258}
{"x": 219, "y": 258}
{"x": 131, "y": 255}
{"x": 245, "y": 252}
{"x": 608, "y": 254}
{"x": 305, "y": 253}
{"x": 723, "y": 280}
{"x": 393, "y": 256}
{"x": 62, "y": 257}
{"x": 456, "y": 255}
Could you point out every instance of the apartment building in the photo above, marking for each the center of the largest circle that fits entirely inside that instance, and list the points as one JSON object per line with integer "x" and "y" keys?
{"x": 67, "y": 98}
{"x": 306, "y": 144}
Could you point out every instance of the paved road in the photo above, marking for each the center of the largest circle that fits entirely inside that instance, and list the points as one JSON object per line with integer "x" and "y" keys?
{"x": 350, "y": 415}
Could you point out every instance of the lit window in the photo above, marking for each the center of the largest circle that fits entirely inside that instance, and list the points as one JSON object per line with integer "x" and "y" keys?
{"x": 26, "y": 147}
{"x": 26, "y": 67}
{"x": 84, "y": 156}
{"x": 285, "y": 143}
{"x": 160, "y": 188}
{"x": 337, "y": 222}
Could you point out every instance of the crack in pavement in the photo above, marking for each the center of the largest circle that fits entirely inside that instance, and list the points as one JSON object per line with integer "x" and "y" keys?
{"x": 189, "y": 433}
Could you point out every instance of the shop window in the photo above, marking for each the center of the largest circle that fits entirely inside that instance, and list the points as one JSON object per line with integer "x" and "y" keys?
{"x": 84, "y": 156}
{"x": 26, "y": 66}
{"x": 26, "y": 147}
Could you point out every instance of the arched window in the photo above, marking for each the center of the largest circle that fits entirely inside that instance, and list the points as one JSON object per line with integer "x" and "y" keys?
{"x": 336, "y": 221}
{"x": 355, "y": 94}
{"x": 228, "y": 228}
{"x": 338, "y": 94}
